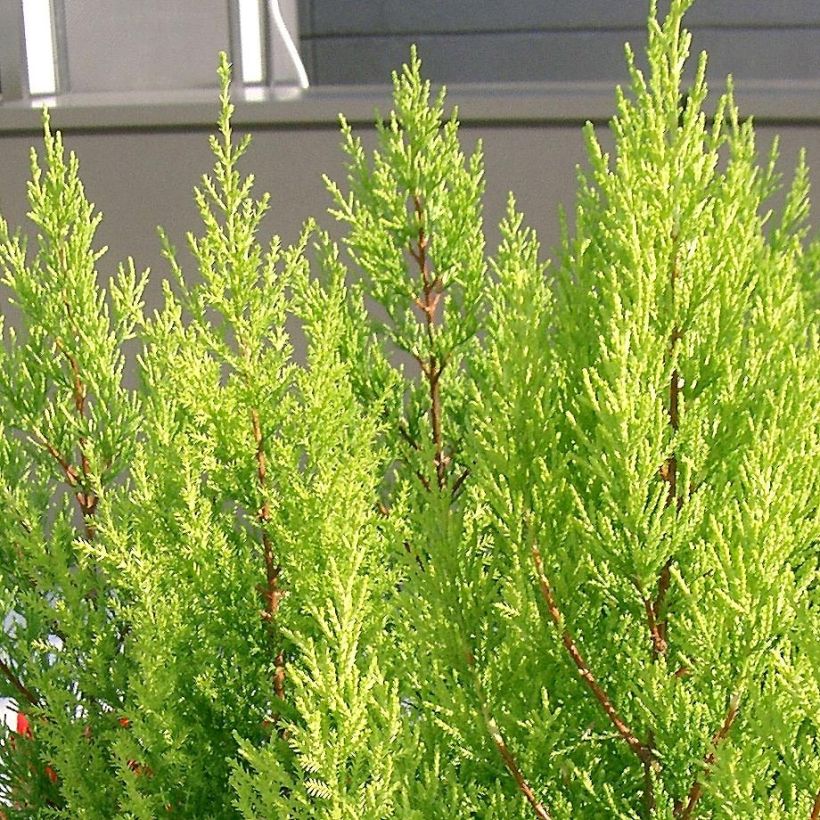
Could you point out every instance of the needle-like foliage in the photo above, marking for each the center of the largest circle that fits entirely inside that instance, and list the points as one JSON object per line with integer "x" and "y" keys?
{"x": 509, "y": 540}
{"x": 66, "y": 432}
{"x": 612, "y": 582}
{"x": 210, "y": 628}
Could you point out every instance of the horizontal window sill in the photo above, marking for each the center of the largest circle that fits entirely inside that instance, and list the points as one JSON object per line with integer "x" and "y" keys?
{"x": 794, "y": 102}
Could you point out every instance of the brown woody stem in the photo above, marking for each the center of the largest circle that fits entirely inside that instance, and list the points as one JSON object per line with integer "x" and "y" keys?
{"x": 413, "y": 444}
{"x": 654, "y": 608}
{"x": 669, "y": 473}
{"x": 433, "y": 367}
{"x": 70, "y": 472}
{"x": 86, "y": 499}
{"x": 642, "y": 751}
{"x": 696, "y": 792}
{"x": 656, "y": 630}
{"x": 815, "y": 812}
{"x": 459, "y": 482}
{"x": 658, "y": 624}
{"x": 272, "y": 594}
{"x": 435, "y": 419}
{"x": 8, "y": 674}
{"x": 405, "y": 434}
{"x": 503, "y": 749}
{"x": 509, "y": 761}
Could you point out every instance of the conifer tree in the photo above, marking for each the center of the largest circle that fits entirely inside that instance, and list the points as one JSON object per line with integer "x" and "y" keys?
{"x": 235, "y": 661}
{"x": 66, "y": 433}
{"x": 613, "y": 595}
{"x": 253, "y": 539}
{"x": 689, "y": 386}
{"x": 536, "y": 542}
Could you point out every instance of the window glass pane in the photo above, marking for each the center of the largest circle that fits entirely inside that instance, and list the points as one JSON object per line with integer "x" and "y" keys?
{"x": 250, "y": 33}
{"x": 39, "y": 46}
{"x": 123, "y": 45}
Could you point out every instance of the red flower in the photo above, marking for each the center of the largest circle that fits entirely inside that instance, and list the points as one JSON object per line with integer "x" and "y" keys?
{"x": 23, "y": 726}
{"x": 24, "y": 730}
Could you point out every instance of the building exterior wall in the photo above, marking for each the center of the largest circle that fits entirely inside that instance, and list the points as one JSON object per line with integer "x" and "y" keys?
{"x": 526, "y": 75}
{"x": 140, "y": 179}
{"x": 360, "y": 41}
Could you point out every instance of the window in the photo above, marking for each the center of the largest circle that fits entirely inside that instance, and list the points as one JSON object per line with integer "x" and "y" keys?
{"x": 85, "y": 46}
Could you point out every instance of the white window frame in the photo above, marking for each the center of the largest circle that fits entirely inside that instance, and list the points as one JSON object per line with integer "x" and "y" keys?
{"x": 262, "y": 43}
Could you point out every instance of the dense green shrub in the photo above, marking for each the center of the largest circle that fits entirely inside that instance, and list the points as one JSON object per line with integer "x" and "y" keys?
{"x": 540, "y": 542}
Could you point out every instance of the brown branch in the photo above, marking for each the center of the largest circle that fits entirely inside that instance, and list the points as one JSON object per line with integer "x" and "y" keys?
{"x": 660, "y": 640}
{"x": 428, "y": 306}
{"x": 658, "y": 624}
{"x": 459, "y": 482}
{"x": 423, "y": 364}
{"x": 642, "y": 751}
{"x": 405, "y": 434}
{"x": 279, "y": 675}
{"x": 669, "y": 473}
{"x": 272, "y": 594}
{"x": 432, "y": 289}
{"x": 78, "y": 388}
{"x": 656, "y": 631}
{"x": 263, "y": 516}
{"x": 512, "y": 766}
{"x": 414, "y": 445}
{"x": 655, "y": 616}
{"x": 815, "y": 812}
{"x": 432, "y": 368}
{"x": 410, "y": 551}
{"x": 696, "y": 791}
{"x": 70, "y": 472}
{"x": 423, "y": 479}
{"x": 669, "y": 469}
{"x": 501, "y": 745}
{"x": 8, "y": 674}
{"x": 440, "y": 459}
{"x": 86, "y": 499}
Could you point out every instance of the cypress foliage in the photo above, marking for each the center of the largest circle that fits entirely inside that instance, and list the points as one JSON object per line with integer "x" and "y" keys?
{"x": 222, "y": 605}
{"x": 611, "y": 596}
{"x": 535, "y": 542}
{"x": 68, "y": 431}
{"x": 690, "y": 402}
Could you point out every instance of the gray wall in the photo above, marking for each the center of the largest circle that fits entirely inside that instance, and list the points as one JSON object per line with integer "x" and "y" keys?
{"x": 142, "y": 154}
{"x": 141, "y": 179}
{"x": 360, "y": 41}
{"x": 149, "y": 44}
